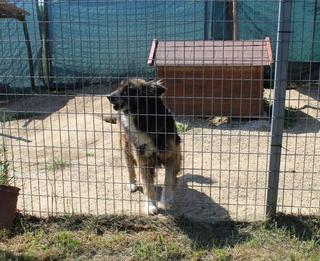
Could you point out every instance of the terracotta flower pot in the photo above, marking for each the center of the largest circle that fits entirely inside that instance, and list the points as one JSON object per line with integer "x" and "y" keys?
{"x": 8, "y": 205}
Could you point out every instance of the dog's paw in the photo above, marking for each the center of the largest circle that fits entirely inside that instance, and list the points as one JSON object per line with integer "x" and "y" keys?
{"x": 167, "y": 198}
{"x": 132, "y": 187}
{"x": 165, "y": 205}
{"x": 150, "y": 208}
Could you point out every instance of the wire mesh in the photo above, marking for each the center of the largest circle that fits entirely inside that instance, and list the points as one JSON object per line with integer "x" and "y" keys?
{"x": 66, "y": 158}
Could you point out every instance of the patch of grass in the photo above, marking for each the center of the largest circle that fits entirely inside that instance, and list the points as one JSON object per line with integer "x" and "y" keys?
{"x": 89, "y": 154}
{"x": 116, "y": 241}
{"x": 221, "y": 254}
{"x": 57, "y": 164}
{"x": 37, "y": 243}
{"x": 181, "y": 127}
{"x": 301, "y": 227}
{"x": 158, "y": 247}
{"x": 150, "y": 238}
{"x": 66, "y": 240}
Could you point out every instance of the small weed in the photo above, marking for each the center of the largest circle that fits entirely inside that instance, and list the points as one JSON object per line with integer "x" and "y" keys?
{"x": 254, "y": 243}
{"x": 3, "y": 149}
{"x": 4, "y": 166}
{"x": 221, "y": 254}
{"x": 57, "y": 164}
{"x": 4, "y": 234}
{"x": 89, "y": 154}
{"x": 181, "y": 127}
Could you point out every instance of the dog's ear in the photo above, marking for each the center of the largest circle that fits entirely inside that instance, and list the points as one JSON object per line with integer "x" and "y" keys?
{"x": 122, "y": 83}
{"x": 157, "y": 87}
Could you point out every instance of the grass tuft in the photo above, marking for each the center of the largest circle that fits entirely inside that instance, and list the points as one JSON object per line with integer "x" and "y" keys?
{"x": 89, "y": 154}
{"x": 57, "y": 165}
{"x": 66, "y": 240}
{"x": 4, "y": 166}
{"x": 181, "y": 127}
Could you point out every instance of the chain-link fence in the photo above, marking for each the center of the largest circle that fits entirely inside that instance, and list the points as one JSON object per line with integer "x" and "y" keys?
{"x": 218, "y": 62}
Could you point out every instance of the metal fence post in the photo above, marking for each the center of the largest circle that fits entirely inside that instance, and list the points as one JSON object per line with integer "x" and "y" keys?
{"x": 278, "y": 112}
{"x": 44, "y": 25}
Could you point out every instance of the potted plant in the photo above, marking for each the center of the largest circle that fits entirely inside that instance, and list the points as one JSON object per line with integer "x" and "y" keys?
{"x": 8, "y": 194}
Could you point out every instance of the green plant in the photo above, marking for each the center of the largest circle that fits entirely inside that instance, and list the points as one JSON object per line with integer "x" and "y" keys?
{"x": 4, "y": 166}
{"x": 89, "y": 154}
{"x": 181, "y": 127}
{"x": 57, "y": 164}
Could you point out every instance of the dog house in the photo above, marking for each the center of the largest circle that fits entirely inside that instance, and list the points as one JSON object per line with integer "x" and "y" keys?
{"x": 212, "y": 78}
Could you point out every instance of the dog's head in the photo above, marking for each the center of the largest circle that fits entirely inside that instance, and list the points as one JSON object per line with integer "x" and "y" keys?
{"x": 136, "y": 96}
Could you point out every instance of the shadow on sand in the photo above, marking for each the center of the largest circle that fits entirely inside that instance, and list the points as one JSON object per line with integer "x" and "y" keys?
{"x": 205, "y": 222}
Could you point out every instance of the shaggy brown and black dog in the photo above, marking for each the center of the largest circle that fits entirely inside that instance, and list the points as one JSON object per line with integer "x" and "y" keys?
{"x": 149, "y": 138}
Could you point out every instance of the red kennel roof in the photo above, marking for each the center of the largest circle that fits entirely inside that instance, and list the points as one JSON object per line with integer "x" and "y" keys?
{"x": 206, "y": 53}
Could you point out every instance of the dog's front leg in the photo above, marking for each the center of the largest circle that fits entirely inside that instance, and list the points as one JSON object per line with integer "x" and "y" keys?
{"x": 147, "y": 175}
{"x": 132, "y": 185}
{"x": 167, "y": 194}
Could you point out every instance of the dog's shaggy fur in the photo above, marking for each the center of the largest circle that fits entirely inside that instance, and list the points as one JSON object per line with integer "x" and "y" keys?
{"x": 149, "y": 137}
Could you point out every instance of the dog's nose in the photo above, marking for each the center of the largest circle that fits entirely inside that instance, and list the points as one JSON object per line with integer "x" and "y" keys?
{"x": 108, "y": 96}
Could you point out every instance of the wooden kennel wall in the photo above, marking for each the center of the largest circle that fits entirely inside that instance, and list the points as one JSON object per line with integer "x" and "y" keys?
{"x": 212, "y": 78}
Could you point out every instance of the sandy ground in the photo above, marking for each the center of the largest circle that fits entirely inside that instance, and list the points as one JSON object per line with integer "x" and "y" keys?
{"x": 224, "y": 168}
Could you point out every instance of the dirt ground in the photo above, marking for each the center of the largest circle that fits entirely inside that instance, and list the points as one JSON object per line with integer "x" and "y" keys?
{"x": 67, "y": 160}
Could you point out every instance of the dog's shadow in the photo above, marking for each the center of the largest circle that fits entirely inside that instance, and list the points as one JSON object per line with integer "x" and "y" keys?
{"x": 192, "y": 202}
{"x": 205, "y": 222}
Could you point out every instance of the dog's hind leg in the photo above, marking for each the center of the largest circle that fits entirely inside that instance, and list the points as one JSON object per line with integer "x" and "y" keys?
{"x": 147, "y": 175}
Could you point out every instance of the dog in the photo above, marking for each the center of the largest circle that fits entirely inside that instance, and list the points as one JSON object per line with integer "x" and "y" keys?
{"x": 149, "y": 138}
